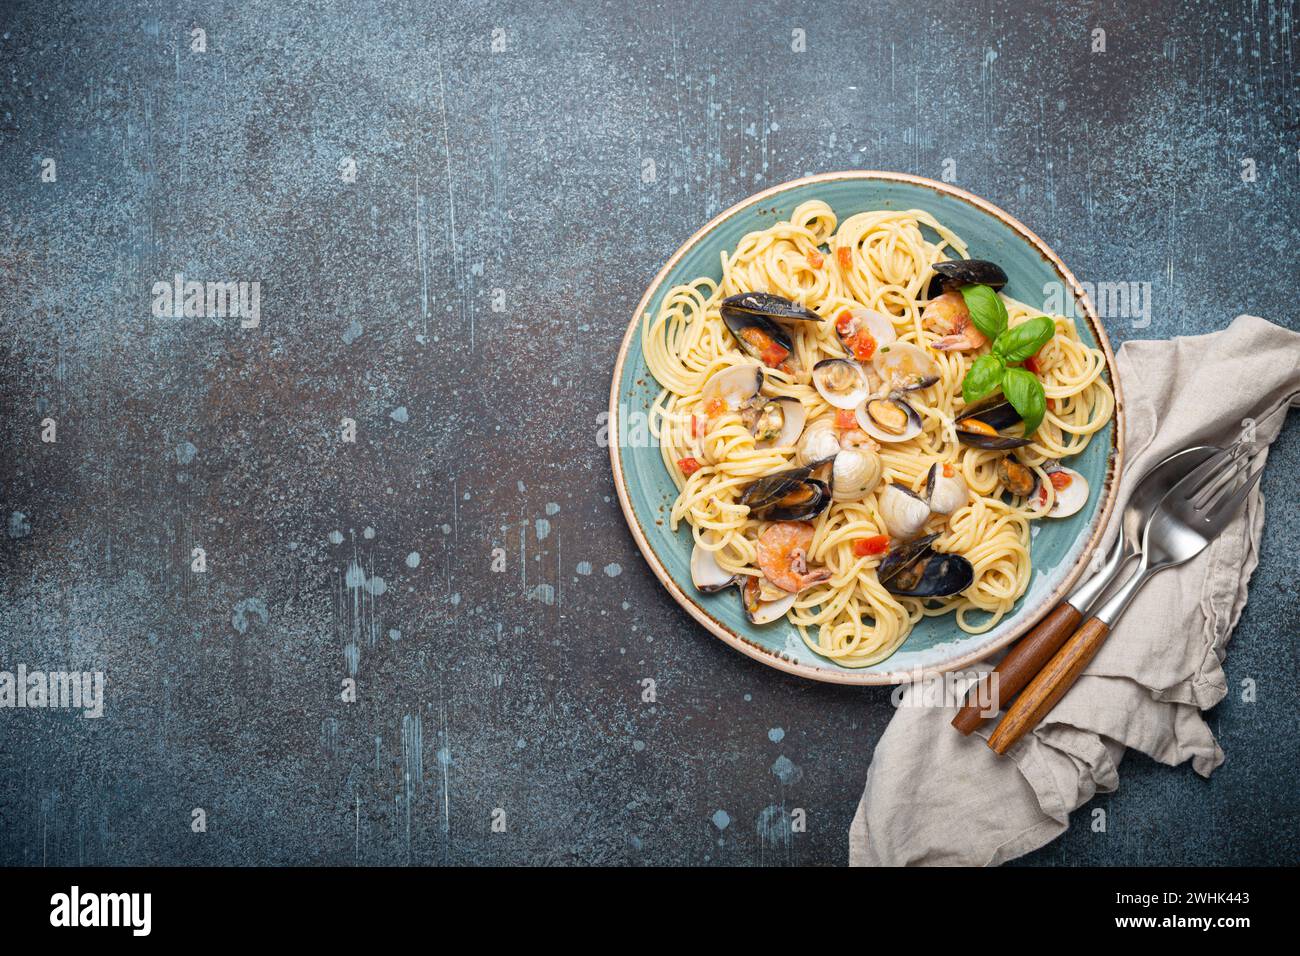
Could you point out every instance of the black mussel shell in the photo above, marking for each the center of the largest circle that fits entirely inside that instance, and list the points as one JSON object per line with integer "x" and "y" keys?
{"x": 915, "y": 569}
{"x": 769, "y": 306}
{"x": 998, "y": 414}
{"x": 959, "y": 272}
{"x": 789, "y": 496}
{"x": 738, "y": 321}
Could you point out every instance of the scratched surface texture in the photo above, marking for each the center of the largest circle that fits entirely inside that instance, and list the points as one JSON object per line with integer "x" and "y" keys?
{"x": 522, "y": 170}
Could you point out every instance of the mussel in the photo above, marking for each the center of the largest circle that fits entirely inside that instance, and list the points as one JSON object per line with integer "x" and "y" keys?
{"x": 888, "y": 419}
{"x": 980, "y": 425}
{"x": 787, "y": 496}
{"x": 1017, "y": 478}
{"x": 956, "y": 273}
{"x": 915, "y": 569}
{"x": 759, "y": 336}
{"x": 769, "y": 306}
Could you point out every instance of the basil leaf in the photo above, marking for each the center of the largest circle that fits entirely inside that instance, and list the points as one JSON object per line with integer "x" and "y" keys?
{"x": 982, "y": 377}
{"x": 986, "y": 310}
{"x": 1025, "y": 393}
{"x": 1019, "y": 343}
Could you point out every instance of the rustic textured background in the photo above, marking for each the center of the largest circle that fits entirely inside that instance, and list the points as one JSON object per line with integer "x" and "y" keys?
{"x": 521, "y": 170}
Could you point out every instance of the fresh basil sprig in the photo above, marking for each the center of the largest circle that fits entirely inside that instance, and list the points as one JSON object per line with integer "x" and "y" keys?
{"x": 1010, "y": 346}
{"x": 986, "y": 310}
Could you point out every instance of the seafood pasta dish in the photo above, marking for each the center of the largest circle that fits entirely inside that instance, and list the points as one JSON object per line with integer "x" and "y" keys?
{"x": 862, "y": 427}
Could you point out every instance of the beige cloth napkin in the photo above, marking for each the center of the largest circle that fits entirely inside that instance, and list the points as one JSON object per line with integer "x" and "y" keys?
{"x": 934, "y": 797}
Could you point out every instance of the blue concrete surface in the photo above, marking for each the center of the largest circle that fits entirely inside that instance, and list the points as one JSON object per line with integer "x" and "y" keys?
{"x": 461, "y": 299}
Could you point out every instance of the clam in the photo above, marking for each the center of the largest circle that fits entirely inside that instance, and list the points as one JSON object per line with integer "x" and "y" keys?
{"x": 903, "y": 512}
{"x": 1071, "y": 491}
{"x": 863, "y": 331}
{"x": 841, "y": 382}
{"x": 772, "y": 307}
{"x": 903, "y": 367}
{"x": 915, "y": 569}
{"x": 854, "y": 473}
{"x": 1017, "y": 478}
{"x": 945, "y": 491}
{"x": 819, "y": 443}
{"x": 778, "y": 423}
{"x": 735, "y": 386}
{"x": 706, "y": 574}
{"x": 980, "y": 425}
{"x": 888, "y": 419}
{"x": 787, "y": 496}
{"x": 760, "y": 610}
{"x": 956, "y": 273}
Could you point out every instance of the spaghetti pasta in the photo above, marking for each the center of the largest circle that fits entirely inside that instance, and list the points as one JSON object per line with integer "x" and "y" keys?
{"x": 881, "y": 261}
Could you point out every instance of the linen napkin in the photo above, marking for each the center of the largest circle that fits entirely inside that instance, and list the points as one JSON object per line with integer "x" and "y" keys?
{"x": 936, "y": 797}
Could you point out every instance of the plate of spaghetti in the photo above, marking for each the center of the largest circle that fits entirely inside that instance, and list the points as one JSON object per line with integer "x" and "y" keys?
{"x": 865, "y": 426}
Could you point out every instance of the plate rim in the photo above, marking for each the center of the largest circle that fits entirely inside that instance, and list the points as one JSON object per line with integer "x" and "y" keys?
{"x": 1031, "y": 616}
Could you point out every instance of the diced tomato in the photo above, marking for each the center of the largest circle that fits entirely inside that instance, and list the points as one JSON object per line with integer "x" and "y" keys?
{"x": 845, "y": 256}
{"x": 1031, "y": 364}
{"x": 877, "y": 544}
{"x": 864, "y": 346}
{"x": 1051, "y": 403}
{"x": 948, "y": 471}
{"x": 844, "y": 324}
{"x": 689, "y": 466}
{"x": 774, "y": 355}
{"x": 815, "y": 259}
{"x": 715, "y": 407}
{"x": 1060, "y": 480}
{"x": 845, "y": 419}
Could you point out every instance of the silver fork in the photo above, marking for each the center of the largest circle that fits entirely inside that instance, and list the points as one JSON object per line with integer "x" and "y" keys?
{"x": 1188, "y": 518}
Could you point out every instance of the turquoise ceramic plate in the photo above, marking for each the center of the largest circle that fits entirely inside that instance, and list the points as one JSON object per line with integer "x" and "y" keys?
{"x": 1060, "y": 548}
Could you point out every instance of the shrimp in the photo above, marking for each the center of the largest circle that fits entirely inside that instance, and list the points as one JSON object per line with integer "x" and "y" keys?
{"x": 783, "y": 556}
{"x": 949, "y": 316}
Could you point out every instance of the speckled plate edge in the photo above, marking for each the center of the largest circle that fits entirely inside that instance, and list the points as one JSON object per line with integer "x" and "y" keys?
{"x": 1029, "y": 616}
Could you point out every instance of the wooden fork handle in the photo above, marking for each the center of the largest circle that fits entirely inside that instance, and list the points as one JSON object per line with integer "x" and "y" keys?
{"x": 1027, "y": 658}
{"x": 1045, "y": 690}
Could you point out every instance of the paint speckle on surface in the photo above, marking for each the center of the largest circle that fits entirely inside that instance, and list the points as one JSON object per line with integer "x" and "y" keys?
{"x": 776, "y": 735}
{"x": 552, "y": 508}
{"x": 613, "y": 570}
{"x": 19, "y": 526}
{"x": 583, "y": 568}
{"x": 242, "y": 609}
{"x": 394, "y": 634}
{"x": 786, "y": 770}
{"x": 542, "y": 529}
{"x": 185, "y": 453}
{"x": 336, "y": 537}
{"x": 544, "y": 593}
{"x": 368, "y": 533}
{"x": 413, "y": 559}
{"x": 400, "y": 415}
{"x": 721, "y": 819}
{"x": 352, "y": 332}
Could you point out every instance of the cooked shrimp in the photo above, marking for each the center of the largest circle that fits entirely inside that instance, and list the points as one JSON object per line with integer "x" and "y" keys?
{"x": 783, "y": 556}
{"x": 949, "y": 316}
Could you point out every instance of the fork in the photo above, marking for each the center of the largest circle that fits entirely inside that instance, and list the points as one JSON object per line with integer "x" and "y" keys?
{"x": 1188, "y": 518}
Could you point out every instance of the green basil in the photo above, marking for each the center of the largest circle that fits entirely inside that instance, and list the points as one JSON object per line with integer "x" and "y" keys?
{"x": 986, "y": 310}
{"x": 1019, "y": 343}
{"x": 1025, "y": 393}
{"x": 984, "y": 375}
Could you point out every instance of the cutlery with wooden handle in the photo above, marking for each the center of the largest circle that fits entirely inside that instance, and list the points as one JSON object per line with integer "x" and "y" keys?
{"x": 1032, "y": 652}
{"x": 1188, "y": 518}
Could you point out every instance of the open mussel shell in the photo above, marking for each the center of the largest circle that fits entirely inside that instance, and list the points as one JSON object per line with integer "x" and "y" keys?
{"x": 706, "y": 574}
{"x": 787, "y": 496}
{"x": 956, "y": 273}
{"x": 769, "y": 306}
{"x": 756, "y": 609}
{"x": 888, "y": 419}
{"x": 841, "y": 382}
{"x": 758, "y": 336}
{"x": 979, "y": 425}
{"x": 915, "y": 569}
